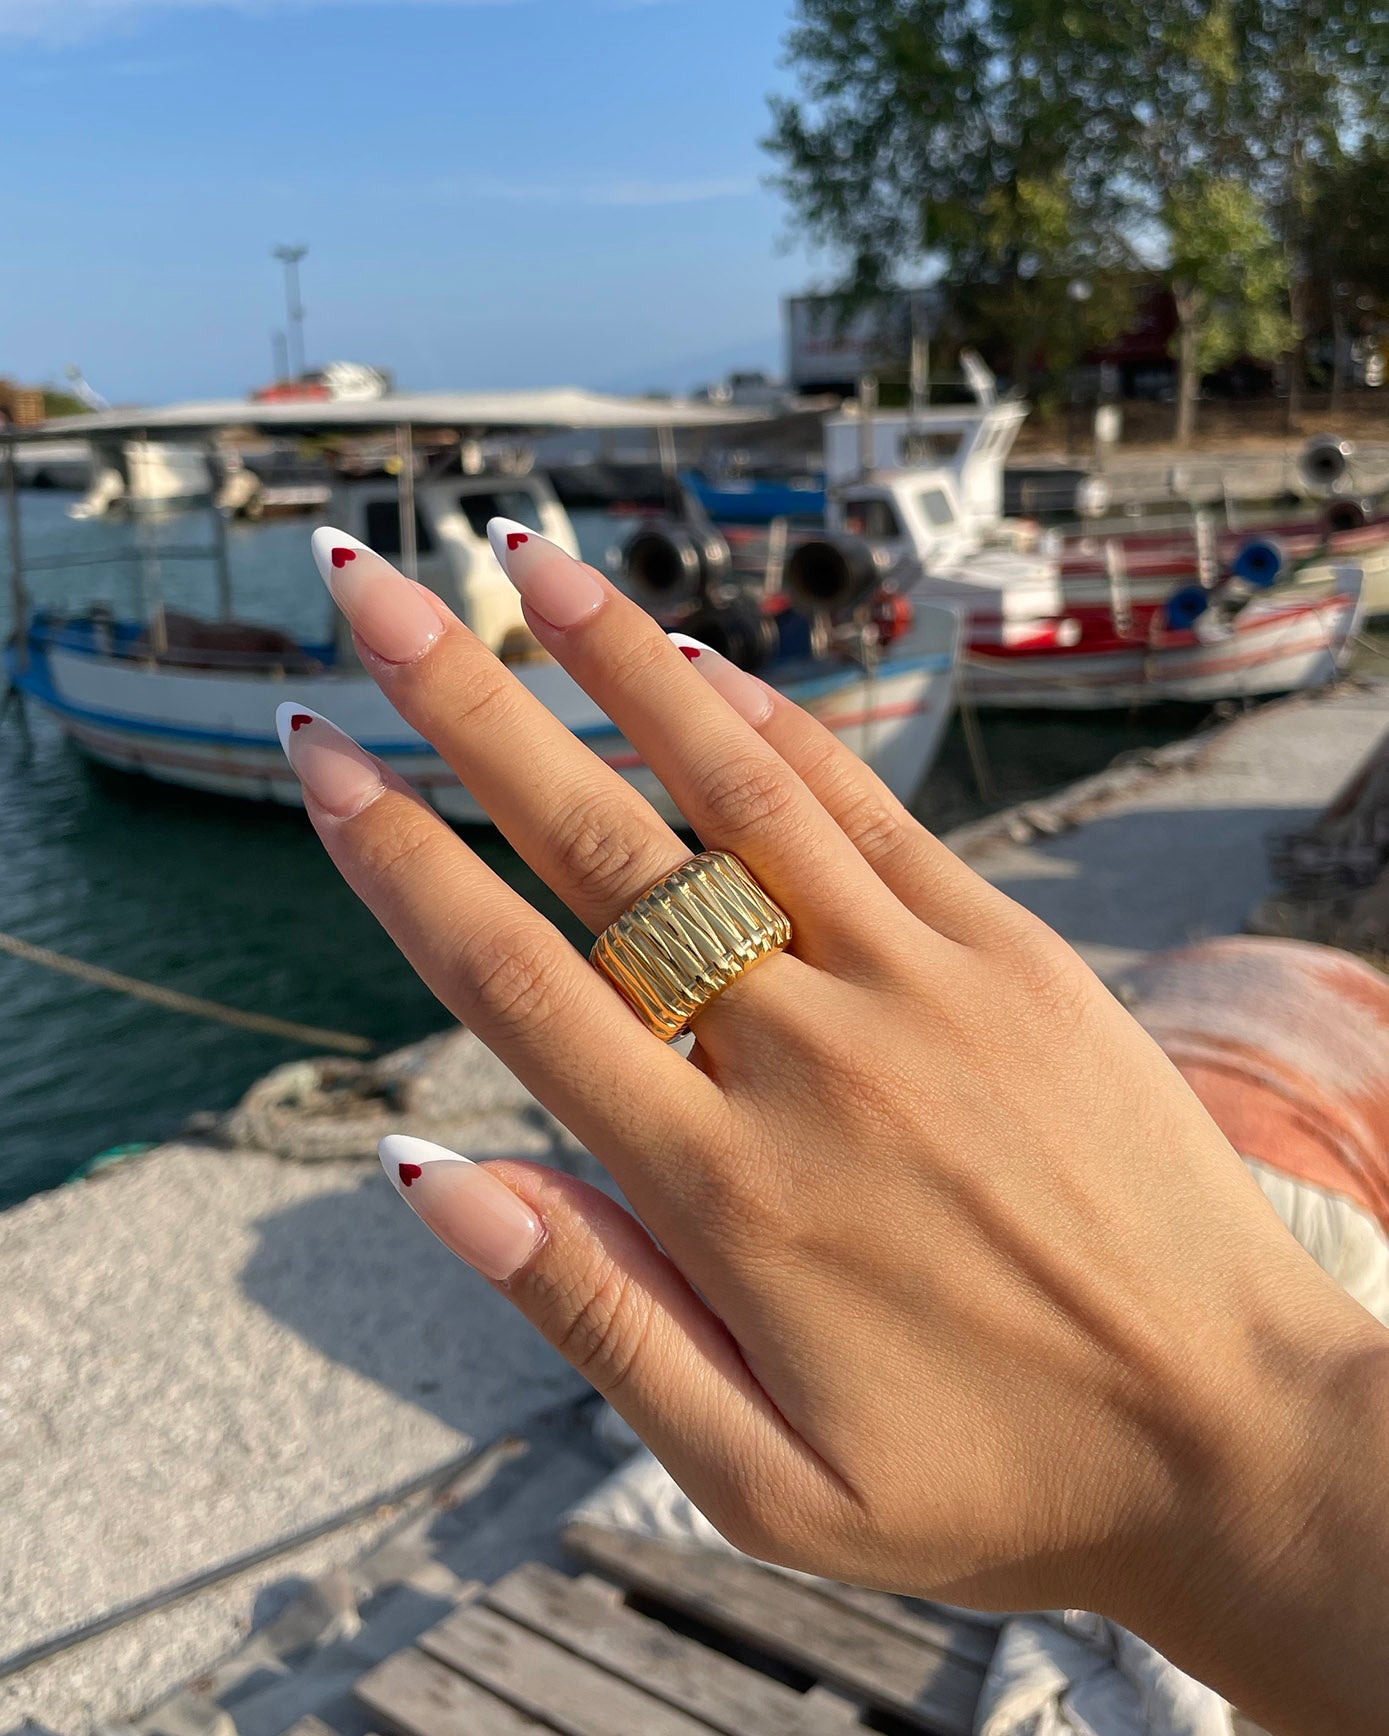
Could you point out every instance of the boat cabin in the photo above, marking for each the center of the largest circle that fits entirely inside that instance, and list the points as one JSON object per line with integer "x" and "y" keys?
{"x": 450, "y": 553}
{"x": 925, "y": 484}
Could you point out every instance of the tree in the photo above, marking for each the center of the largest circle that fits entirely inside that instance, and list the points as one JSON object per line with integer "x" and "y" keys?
{"x": 980, "y": 137}
{"x": 1228, "y": 280}
{"x": 1185, "y": 159}
{"x": 1347, "y": 250}
{"x": 1312, "y": 76}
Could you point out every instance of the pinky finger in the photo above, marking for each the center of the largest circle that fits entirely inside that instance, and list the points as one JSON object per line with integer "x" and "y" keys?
{"x": 586, "y": 1274}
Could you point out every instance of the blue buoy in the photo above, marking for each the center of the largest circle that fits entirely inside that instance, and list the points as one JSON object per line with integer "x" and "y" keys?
{"x": 1259, "y": 562}
{"x": 1185, "y": 607}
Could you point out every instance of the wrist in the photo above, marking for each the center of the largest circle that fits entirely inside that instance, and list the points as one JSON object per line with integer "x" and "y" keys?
{"x": 1269, "y": 1574}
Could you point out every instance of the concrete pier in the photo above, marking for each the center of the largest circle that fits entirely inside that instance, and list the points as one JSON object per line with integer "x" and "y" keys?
{"x": 204, "y": 1351}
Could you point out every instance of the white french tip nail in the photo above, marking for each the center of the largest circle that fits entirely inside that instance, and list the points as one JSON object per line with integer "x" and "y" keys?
{"x": 693, "y": 648}
{"x": 285, "y": 724}
{"x": 325, "y": 540}
{"x": 506, "y": 536}
{"x": 403, "y": 1157}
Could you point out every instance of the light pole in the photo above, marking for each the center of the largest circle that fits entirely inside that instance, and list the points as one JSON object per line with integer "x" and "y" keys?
{"x": 289, "y": 257}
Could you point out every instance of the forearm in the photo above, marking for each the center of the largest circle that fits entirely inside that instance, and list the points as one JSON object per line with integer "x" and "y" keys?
{"x": 1283, "y": 1603}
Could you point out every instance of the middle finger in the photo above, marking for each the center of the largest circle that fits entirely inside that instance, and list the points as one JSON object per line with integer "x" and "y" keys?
{"x": 579, "y": 824}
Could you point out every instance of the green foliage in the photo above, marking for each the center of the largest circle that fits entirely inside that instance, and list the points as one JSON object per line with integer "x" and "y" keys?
{"x": 1229, "y": 269}
{"x": 979, "y": 136}
{"x": 1014, "y": 145}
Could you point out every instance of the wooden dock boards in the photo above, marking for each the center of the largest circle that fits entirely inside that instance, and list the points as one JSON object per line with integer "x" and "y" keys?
{"x": 844, "y": 1646}
{"x": 543, "y": 1652}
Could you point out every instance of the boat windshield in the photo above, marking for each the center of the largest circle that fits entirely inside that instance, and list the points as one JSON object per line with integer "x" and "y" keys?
{"x": 872, "y": 517}
{"x": 935, "y": 503}
{"x": 515, "y": 503}
{"x": 382, "y": 523}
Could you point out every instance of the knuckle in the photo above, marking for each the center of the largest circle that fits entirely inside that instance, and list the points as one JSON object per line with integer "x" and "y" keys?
{"x": 876, "y": 823}
{"x": 401, "y": 847}
{"x": 639, "y": 658}
{"x": 599, "y": 1320}
{"x": 744, "y": 792}
{"x": 514, "y": 982}
{"x": 604, "y": 862}
{"x": 1052, "y": 978}
{"x": 483, "y": 700}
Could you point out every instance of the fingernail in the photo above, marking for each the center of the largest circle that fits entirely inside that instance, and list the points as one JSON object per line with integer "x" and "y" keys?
{"x": 748, "y": 696}
{"x": 389, "y": 614}
{"x": 467, "y": 1208}
{"x": 553, "y": 585}
{"x": 341, "y": 777}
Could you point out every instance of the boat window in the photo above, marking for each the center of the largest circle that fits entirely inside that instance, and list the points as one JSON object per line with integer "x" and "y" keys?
{"x": 872, "y": 518}
{"x": 926, "y": 446}
{"x": 383, "y": 529}
{"x": 935, "y": 503}
{"x": 517, "y": 503}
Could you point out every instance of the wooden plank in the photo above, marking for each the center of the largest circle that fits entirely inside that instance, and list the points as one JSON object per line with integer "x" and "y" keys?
{"x": 568, "y": 1692}
{"x": 972, "y": 1642}
{"x": 848, "y": 1650}
{"x": 584, "y": 1616}
{"x": 419, "y": 1696}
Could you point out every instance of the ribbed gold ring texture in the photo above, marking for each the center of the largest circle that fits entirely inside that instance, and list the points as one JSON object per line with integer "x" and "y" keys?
{"x": 683, "y": 942}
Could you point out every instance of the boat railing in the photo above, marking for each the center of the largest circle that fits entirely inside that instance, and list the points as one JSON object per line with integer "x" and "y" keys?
{"x": 172, "y": 640}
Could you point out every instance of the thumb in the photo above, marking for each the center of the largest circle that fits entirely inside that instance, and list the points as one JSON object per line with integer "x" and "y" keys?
{"x": 587, "y": 1275}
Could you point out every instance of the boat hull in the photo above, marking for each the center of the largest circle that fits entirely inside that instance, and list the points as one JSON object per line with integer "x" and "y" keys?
{"x": 213, "y": 730}
{"x": 1155, "y": 566}
{"x": 1273, "y": 646}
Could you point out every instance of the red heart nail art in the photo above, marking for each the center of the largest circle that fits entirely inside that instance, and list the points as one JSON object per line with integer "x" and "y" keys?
{"x": 342, "y": 556}
{"x": 410, "y": 1172}
{"x": 691, "y": 651}
{"x": 514, "y": 539}
{"x": 298, "y": 721}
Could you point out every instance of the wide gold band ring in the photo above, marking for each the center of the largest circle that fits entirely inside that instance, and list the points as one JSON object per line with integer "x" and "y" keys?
{"x": 685, "y": 940}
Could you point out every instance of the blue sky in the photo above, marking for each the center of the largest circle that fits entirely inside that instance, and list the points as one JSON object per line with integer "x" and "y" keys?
{"x": 495, "y": 192}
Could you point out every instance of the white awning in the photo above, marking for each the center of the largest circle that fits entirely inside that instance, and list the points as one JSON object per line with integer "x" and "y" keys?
{"x": 472, "y": 413}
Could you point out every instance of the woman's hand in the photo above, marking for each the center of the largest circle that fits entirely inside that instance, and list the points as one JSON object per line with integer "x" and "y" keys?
{"x": 940, "y": 1278}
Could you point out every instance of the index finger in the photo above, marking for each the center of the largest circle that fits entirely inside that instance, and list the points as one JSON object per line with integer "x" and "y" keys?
{"x": 493, "y": 960}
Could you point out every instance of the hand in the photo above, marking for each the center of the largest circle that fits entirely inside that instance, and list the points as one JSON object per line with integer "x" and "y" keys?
{"x": 954, "y": 1289}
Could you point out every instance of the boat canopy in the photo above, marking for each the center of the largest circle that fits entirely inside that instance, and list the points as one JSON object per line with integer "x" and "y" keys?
{"x": 471, "y": 413}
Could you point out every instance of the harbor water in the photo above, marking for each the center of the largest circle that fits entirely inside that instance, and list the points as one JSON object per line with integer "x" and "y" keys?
{"x": 236, "y": 902}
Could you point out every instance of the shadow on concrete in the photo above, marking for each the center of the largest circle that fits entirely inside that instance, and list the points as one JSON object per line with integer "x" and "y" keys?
{"x": 1150, "y": 878}
{"x": 357, "y": 1276}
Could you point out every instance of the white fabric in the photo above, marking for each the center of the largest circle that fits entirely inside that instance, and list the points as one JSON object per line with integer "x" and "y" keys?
{"x": 1074, "y": 1674}
{"x": 1341, "y": 1237}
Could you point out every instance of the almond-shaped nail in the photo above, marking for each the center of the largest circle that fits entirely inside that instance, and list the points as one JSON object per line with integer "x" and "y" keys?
{"x": 467, "y": 1208}
{"x": 748, "y": 696}
{"x": 554, "y": 586}
{"x": 337, "y": 775}
{"x": 390, "y": 615}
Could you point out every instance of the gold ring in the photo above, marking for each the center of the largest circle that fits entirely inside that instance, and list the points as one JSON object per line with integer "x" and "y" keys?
{"x": 687, "y": 938}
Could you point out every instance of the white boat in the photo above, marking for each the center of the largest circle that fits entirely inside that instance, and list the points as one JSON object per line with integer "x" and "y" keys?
{"x": 1278, "y": 643}
{"x": 191, "y": 701}
{"x": 143, "y": 476}
{"x": 920, "y": 494}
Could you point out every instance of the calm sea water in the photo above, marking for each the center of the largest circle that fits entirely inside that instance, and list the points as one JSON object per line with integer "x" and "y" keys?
{"x": 237, "y": 902}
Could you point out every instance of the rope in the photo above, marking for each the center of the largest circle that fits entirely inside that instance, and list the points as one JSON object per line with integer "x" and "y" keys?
{"x": 193, "y": 1005}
